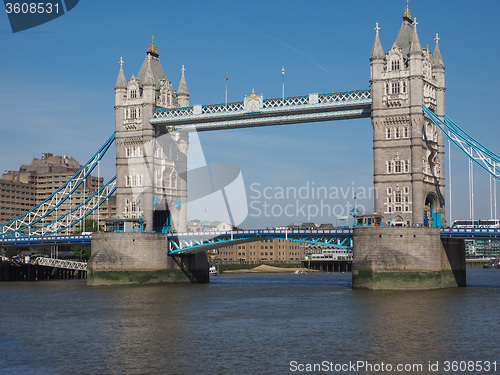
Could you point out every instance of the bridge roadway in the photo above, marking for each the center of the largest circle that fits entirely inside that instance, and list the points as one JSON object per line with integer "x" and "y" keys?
{"x": 190, "y": 242}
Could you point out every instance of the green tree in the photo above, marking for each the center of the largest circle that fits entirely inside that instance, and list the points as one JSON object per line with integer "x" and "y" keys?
{"x": 83, "y": 251}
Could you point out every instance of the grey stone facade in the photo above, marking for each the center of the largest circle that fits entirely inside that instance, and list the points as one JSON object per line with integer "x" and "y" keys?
{"x": 408, "y": 149}
{"x": 149, "y": 173}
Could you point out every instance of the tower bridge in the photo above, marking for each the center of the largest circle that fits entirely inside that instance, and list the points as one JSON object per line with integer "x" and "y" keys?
{"x": 406, "y": 105}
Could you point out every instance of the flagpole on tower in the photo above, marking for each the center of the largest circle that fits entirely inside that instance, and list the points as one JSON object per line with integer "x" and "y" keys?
{"x": 226, "y": 87}
{"x": 283, "y": 74}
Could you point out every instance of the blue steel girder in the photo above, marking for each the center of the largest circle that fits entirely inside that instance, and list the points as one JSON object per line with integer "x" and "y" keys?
{"x": 276, "y": 111}
{"x": 474, "y": 150}
{"x": 186, "y": 243}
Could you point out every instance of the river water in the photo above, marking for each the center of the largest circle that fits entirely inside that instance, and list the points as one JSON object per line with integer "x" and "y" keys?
{"x": 249, "y": 324}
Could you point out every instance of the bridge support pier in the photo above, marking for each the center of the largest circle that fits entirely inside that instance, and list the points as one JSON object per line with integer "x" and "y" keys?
{"x": 406, "y": 258}
{"x": 140, "y": 258}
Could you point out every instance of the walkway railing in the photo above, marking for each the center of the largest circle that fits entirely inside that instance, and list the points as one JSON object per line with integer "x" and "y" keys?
{"x": 59, "y": 263}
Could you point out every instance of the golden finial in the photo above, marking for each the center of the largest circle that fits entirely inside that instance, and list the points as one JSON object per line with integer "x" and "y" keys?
{"x": 152, "y": 47}
{"x": 407, "y": 12}
{"x": 253, "y": 94}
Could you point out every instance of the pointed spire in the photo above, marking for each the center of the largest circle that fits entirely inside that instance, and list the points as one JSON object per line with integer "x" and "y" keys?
{"x": 407, "y": 14}
{"x": 149, "y": 78}
{"x": 377, "y": 51}
{"x": 183, "y": 92}
{"x": 415, "y": 46}
{"x": 121, "y": 82}
{"x": 183, "y": 89}
{"x": 152, "y": 50}
{"x": 437, "y": 60}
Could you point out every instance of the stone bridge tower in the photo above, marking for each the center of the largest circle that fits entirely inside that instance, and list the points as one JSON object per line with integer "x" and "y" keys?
{"x": 148, "y": 182}
{"x": 408, "y": 149}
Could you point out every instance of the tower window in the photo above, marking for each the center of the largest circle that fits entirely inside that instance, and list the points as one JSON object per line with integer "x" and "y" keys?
{"x": 133, "y": 94}
{"x": 397, "y": 166}
{"x": 396, "y": 132}
{"x": 405, "y": 132}
{"x": 395, "y": 65}
{"x": 398, "y": 197}
{"x": 395, "y": 87}
{"x": 388, "y": 133}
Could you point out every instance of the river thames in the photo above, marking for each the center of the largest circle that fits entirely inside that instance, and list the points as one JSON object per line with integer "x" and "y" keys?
{"x": 249, "y": 324}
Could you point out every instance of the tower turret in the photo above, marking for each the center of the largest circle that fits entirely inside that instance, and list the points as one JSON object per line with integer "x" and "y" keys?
{"x": 183, "y": 92}
{"x": 121, "y": 86}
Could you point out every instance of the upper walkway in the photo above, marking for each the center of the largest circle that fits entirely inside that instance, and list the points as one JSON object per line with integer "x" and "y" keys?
{"x": 254, "y": 110}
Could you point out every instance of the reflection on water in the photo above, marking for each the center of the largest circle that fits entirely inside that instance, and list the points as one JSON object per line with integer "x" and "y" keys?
{"x": 241, "y": 324}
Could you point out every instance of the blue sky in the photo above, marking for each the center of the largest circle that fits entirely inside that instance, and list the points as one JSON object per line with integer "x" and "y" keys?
{"x": 57, "y": 87}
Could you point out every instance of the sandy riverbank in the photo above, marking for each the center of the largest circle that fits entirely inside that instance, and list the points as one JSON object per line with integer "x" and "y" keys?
{"x": 263, "y": 268}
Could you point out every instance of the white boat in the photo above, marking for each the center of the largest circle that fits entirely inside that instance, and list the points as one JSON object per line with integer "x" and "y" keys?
{"x": 212, "y": 271}
{"x": 299, "y": 272}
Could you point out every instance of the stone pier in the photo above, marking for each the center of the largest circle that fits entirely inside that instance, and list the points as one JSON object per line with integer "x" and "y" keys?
{"x": 408, "y": 258}
{"x": 141, "y": 258}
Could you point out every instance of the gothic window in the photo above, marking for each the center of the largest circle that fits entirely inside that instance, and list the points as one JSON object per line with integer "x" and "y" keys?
{"x": 404, "y": 86}
{"x": 397, "y": 197}
{"x": 133, "y": 113}
{"x": 139, "y": 180}
{"x": 407, "y": 166}
{"x": 389, "y": 167}
{"x": 396, "y": 132}
{"x": 389, "y": 199}
{"x": 395, "y": 65}
{"x": 389, "y": 209}
{"x": 397, "y": 166}
{"x": 405, "y": 132}
{"x": 127, "y": 152}
{"x": 397, "y": 209}
{"x": 406, "y": 190}
{"x": 133, "y": 94}
{"x": 127, "y": 180}
{"x": 387, "y": 133}
{"x": 389, "y": 190}
{"x": 395, "y": 87}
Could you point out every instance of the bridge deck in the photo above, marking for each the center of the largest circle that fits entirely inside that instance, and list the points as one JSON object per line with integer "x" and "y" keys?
{"x": 464, "y": 233}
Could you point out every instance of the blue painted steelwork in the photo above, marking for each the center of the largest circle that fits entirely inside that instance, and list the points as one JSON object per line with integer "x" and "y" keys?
{"x": 187, "y": 243}
{"x": 45, "y": 240}
{"x": 199, "y": 242}
{"x": 482, "y": 156}
{"x": 79, "y": 207}
{"x": 26, "y": 221}
{"x": 276, "y": 111}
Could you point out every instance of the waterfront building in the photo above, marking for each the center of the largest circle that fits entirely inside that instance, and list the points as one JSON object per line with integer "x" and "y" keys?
{"x": 15, "y": 199}
{"x": 267, "y": 250}
{"x": 23, "y": 189}
{"x": 482, "y": 248}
